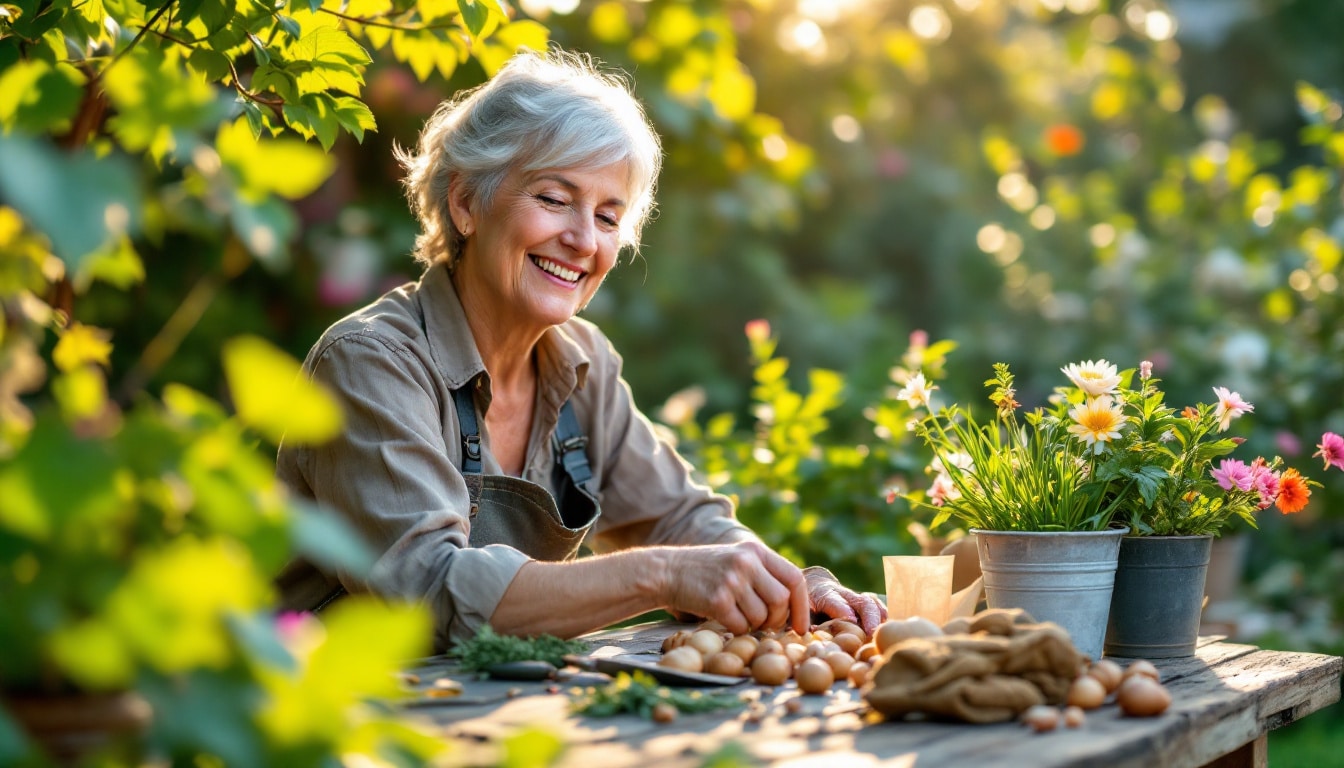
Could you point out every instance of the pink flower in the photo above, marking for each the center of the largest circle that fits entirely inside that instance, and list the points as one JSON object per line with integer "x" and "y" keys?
{"x": 1233, "y": 473}
{"x": 758, "y": 329}
{"x": 1287, "y": 443}
{"x": 1230, "y": 406}
{"x": 1146, "y": 370}
{"x": 943, "y": 490}
{"x": 1331, "y": 450}
{"x": 1265, "y": 482}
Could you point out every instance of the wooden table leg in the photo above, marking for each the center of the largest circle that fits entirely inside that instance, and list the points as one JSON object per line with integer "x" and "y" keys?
{"x": 1252, "y": 754}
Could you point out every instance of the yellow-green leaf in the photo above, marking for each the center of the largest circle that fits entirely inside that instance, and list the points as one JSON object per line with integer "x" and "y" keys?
{"x": 81, "y": 393}
{"x": 273, "y": 396}
{"x": 93, "y": 655}
{"x": 81, "y": 344}
{"x": 531, "y": 748}
{"x": 610, "y": 23}
{"x": 285, "y": 167}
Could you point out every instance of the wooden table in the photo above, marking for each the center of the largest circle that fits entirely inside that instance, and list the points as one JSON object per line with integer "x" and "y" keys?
{"x": 1225, "y": 700}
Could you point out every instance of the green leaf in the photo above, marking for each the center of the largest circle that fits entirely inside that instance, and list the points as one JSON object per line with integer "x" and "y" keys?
{"x": 474, "y": 15}
{"x": 186, "y": 10}
{"x": 77, "y": 199}
{"x": 329, "y": 541}
{"x": 209, "y": 64}
{"x": 256, "y": 633}
{"x": 118, "y": 265}
{"x": 216, "y": 13}
{"x": 266, "y": 228}
{"x": 532, "y": 748}
{"x": 36, "y": 97}
{"x": 273, "y": 396}
{"x": 259, "y": 52}
{"x": 285, "y": 166}
{"x": 156, "y": 98}
{"x": 354, "y": 116}
{"x": 289, "y": 24}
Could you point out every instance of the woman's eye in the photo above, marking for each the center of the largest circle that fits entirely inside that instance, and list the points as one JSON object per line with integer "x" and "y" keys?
{"x": 551, "y": 201}
{"x": 610, "y": 221}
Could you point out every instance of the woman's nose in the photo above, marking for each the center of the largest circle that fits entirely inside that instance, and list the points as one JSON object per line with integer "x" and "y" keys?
{"x": 580, "y": 235}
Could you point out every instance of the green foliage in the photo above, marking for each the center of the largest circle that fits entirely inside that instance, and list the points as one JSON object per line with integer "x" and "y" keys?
{"x": 139, "y": 534}
{"x": 638, "y": 693}
{"x": 487, "y": 648}
{"x": 1011, "y": 475}
{"x": 815, "y": 493}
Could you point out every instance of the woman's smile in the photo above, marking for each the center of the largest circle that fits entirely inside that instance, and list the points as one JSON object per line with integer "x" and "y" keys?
{"x": 554, "y": 269}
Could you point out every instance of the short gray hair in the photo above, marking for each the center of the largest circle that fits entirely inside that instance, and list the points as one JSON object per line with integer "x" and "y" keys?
{"x": 540, "y": 111}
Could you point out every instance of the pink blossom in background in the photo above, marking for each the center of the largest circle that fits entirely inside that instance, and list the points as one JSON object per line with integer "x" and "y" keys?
{"x": 1265, "y": 481}
{"x": 1233, "y": 473}
{"x": 892, "y": 163}
{"x": 1230, "y": 406}
{"x": 758, "y": 329}
{"x": 1287, "y": 443}
{"x": 1331, "y": 450}
{"x": 943, "y": 490}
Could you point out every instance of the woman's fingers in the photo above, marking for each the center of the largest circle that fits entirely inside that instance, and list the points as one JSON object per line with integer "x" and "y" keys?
{"x": 870, "y": 610}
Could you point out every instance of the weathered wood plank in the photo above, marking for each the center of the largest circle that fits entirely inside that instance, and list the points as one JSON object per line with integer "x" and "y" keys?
{"x": 1225, "y": 697}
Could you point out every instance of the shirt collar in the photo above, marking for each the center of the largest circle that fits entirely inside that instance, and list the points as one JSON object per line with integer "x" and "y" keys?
{"x": 561, "y": 362}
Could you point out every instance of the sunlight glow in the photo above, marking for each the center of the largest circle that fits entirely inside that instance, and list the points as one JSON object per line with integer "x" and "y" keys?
{"x": 1081, "y": 7}
{"x": 540, "y": 9}
{"x": 930, "y": 22}
{"x": 799, "y": 35}
{"x": 846, "y": 128}
{"x": 829, "y": 11}
{"x": 1159, "y": 25}
{"x": 1042, "y": 218}
{"x": 775, "y": 147}
{"x": 991, "y": 238}
{"x": 1101, "y": 235}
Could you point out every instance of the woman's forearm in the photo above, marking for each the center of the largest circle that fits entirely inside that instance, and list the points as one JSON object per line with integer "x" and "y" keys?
{"x": 568, "y": 599}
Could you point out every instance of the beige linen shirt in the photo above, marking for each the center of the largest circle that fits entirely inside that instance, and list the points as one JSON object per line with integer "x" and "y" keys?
{"x": 395, "y": 470}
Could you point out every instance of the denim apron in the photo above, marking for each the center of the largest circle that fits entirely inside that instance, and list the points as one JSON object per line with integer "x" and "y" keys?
{"x": 520, "y": 513}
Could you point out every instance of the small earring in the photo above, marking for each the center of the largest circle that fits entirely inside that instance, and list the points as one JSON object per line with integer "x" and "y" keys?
{"x": 466, "y": 230}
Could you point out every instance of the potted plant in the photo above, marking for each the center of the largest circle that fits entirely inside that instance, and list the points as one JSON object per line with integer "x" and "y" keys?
{"x": 1028, "y": 488}
{"x": 1185, "y": 491}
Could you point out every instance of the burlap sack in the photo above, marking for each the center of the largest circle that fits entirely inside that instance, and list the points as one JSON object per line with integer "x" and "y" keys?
{"x": 1005, "y": 664}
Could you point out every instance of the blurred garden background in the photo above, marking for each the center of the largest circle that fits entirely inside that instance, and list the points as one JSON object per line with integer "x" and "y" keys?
{"x": 853, "y": 186}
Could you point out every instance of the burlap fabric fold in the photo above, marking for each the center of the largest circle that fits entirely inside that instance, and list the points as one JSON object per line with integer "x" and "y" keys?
{"x": 1003, "y": 664}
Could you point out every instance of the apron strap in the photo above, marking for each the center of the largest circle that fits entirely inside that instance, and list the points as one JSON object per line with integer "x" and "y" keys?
{"x": 471, "y": 433}
{"x": 569, "y": 442}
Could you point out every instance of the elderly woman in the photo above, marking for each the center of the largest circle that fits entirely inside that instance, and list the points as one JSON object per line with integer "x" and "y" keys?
{"x": 489, "y": 433}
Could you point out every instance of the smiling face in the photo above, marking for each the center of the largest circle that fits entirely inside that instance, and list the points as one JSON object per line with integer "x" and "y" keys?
{"x": 536, "y": 255}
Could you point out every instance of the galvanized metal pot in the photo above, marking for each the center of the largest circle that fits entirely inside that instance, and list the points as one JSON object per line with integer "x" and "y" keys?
{"x": 1065, "y": 577}
{"x": 1158, "y": 597}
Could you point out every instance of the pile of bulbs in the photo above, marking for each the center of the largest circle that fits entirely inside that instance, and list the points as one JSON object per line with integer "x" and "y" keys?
{"x": 841, "y": 650}
{"x": 1138, "y": 691}
{"x": 834, "y": 650}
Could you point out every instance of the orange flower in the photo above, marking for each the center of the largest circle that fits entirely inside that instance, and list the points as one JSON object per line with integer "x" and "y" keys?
{"x": 1064, "y": 140}
{"x": 1293, "y": 492}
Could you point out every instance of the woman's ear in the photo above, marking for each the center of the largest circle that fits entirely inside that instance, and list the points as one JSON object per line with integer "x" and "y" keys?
{"x": 459, "y": 206}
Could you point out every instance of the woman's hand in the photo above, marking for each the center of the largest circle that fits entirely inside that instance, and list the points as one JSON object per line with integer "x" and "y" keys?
{"x": 829, "y": 596}
{"x": 744, "y": 586}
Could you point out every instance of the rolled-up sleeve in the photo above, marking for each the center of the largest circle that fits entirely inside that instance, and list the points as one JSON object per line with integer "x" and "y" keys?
{"x": 391, "y": 475}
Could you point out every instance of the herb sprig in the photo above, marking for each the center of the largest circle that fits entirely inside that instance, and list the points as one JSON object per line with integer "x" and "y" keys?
{"x": 639, "y": 693}
{"x": 489, "y": 648}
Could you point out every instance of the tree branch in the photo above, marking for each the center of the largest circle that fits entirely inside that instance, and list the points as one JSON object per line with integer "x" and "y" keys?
{"x": 388, "y": 24}
{"x": 135, "y": 40}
